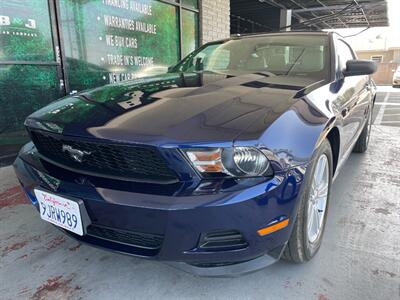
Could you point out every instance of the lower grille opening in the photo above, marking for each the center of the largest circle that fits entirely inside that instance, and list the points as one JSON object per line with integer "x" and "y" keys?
{"x": 214, "y": 265}
{"x": 222, "y": 241}
{"x": 135, "y": 239}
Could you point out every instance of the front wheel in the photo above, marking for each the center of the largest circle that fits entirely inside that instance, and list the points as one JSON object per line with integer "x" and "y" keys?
{"x": 308, "y": 229}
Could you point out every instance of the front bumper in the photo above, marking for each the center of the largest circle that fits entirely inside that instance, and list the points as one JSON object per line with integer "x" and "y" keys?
{"x": 178, "y": 214}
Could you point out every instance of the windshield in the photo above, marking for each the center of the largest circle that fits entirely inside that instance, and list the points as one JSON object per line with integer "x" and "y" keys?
{"x": 290, "y": 55}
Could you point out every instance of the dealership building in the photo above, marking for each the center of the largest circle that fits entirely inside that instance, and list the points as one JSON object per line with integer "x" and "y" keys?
{"x": 53, "y": 48}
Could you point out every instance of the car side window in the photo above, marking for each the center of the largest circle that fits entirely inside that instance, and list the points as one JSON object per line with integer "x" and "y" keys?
{"x": 344, "y": 54}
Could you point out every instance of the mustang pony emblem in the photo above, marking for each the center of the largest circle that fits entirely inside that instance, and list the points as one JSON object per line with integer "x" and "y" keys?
{"x": 75, "y": 154}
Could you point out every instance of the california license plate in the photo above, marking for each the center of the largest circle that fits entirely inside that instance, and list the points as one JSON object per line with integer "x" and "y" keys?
{"x": 60, "y": 211}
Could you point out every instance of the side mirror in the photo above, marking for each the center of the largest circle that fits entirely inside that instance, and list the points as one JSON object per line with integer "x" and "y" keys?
{"x": 199, "y": 64}
{"x": 357, "y": 67}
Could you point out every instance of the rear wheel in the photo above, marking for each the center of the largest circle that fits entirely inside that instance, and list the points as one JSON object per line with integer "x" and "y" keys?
{"x": 363, "y": 140}
{"x": 308, "y": 230}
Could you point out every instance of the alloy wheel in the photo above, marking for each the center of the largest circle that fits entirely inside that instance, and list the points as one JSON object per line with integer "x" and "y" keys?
{"x": 317, "y": 202}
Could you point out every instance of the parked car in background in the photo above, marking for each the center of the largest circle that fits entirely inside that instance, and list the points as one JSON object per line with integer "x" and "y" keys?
{"x": 222, "y": 165}
{"x": 396, "y": 77}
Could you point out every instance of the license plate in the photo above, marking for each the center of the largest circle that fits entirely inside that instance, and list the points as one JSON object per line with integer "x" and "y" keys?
{"x": 60, "y": 211}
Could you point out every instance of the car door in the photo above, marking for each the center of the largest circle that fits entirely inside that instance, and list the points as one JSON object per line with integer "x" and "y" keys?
{"x": 354, "y": 97}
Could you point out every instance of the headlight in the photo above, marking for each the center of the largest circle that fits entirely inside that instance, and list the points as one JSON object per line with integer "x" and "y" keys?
{"x": 250, "y": 161}
{"x": 237, "y": 161}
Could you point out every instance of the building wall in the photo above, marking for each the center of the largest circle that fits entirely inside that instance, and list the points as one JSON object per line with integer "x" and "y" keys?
{"x": 388, "y": 56}
{"x": 384, "y": 74}
{"x": 396, "y": 55}
{"x": 390, "y": 61}
{"x": 215, "y": 20}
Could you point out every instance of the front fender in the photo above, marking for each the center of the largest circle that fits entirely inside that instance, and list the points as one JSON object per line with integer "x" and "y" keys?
{"x": 294, "y": 136}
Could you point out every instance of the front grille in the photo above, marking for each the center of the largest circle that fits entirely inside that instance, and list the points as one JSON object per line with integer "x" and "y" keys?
{"x": 120, "y": 161}
{"x": 135, "y": 239}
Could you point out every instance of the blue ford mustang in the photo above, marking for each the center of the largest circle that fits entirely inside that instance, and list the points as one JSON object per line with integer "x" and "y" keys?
{"x": 222, "y": 165}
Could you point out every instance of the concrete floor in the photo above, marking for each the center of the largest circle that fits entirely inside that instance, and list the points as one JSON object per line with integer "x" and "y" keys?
{"x": 359, "y": 257}
{"x": 387, "y": 106}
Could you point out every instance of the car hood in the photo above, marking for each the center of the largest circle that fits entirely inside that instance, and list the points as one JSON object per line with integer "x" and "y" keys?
{"x": 190, "y": 108}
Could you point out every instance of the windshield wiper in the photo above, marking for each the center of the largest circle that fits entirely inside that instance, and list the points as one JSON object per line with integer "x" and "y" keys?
{"x": 295, "y": 62}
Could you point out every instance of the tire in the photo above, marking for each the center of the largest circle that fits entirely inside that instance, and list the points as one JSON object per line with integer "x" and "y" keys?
{"x": 363, "y": 140}
{"x": 300, "y": 247}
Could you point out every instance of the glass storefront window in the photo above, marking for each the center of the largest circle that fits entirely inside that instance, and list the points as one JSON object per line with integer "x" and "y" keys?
{"x": 125, "y": 42}
{"x": 25, "y": 32}
{"x": 24, "y": 89}
{"x": 190, "y": 31}
{"x": 97, "y": 42}
{"x": 190, "y": 3}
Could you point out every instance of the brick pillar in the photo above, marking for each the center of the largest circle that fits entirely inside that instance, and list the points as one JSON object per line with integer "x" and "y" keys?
{"x": 215, "y": 20}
